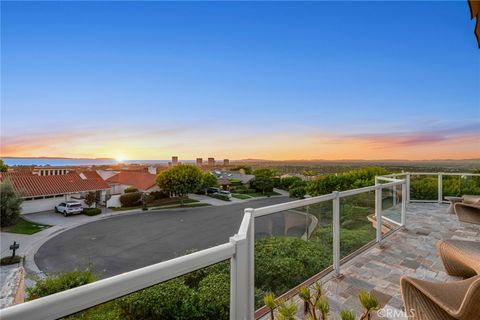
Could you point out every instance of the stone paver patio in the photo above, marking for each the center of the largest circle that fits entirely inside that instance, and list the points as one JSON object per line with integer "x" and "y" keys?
{"x": 410, "y": 251}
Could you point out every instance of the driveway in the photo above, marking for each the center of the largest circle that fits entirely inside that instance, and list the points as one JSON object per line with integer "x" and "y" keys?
{"x": 53, "y": 218}
{"x": 133, "y": 241}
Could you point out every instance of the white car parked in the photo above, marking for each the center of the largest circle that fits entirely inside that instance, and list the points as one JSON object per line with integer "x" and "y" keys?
{"x": 69, "y": 207}
{"x": 225, "y": 193}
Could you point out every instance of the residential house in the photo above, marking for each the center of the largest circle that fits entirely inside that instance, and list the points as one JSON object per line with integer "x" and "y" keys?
{"x": 119, "y": 181}
{"x": 43, "y": 192}
{"x": 223, "y": 176}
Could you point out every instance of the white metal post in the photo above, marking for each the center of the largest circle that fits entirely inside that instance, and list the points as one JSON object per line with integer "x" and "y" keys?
{"x": 238, "y": 279}
{"x": 440, "y": 188}
{"x": 251, "y": 265}
{"x": 394, "y": 194}
{"x": 404, "y": 205}
{"x": 408, "y": 187}
{"x": 378, "y": 211}
{"x": 336, "y": 234}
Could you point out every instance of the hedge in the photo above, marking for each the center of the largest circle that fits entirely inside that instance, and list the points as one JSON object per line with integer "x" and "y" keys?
{"x": 60, "y": 282}
{"x": 130, "y": 199}
{"x": 91, "y": 211}
{"x": 130, "y": 190}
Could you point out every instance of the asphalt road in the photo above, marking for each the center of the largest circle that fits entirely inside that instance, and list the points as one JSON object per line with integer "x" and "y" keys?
{"x": 125, "y": 243}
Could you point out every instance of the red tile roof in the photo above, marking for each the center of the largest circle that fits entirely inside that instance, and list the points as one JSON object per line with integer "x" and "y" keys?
{"x": 35, "y": 185}
{"x": 139, "y": 180}
{"x": 91, "y": 174}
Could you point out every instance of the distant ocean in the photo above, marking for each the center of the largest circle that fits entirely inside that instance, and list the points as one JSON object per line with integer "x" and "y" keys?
{"x": 77, "y": 162}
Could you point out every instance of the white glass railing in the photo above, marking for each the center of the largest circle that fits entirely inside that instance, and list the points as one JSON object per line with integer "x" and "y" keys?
{"x": 439, "y": 177}
{"x": 239, "y": 250}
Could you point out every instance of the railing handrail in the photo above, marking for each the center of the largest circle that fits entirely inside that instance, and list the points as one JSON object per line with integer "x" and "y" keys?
{"x": 325, "y": 197}
{"x": 434, "y": 174}
{"x": 68, "y": 302}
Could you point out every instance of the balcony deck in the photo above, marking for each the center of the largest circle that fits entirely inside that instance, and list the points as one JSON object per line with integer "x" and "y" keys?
{"x": 411, "y": 251}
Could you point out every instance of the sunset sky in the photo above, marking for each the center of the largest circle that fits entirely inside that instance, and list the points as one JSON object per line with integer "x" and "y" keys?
{"x": 314, "y": 80}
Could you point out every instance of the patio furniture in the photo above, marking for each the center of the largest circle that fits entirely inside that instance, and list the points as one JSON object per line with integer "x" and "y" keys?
{"x": 459, "y": 257}
{"x": 425, "y": 300}
{"x": 469, "y": 209}
{"x": 453, "y": 200}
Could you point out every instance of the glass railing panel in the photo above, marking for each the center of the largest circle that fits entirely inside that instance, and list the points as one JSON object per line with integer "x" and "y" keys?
{"x": 392, "y": 204}
{"x": 460, "y": 185}
{"x": 290, "y": 247}
{"x": 202, "y": 294}
{"x": 424, "y": 187}
{"x": 357, "y": 222}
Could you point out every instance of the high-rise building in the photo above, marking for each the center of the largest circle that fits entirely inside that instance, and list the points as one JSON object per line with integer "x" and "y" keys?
{"x": 211, "y": 161}
{"x": 226, "y": 162}
{"x": 199, "y": 162}
{"x": 174, "y": 160}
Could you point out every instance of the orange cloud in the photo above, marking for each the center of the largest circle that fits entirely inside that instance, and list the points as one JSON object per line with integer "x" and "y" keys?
{"x": 188, "y": 142}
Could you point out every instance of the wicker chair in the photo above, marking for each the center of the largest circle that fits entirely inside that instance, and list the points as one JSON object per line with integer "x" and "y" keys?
{"x": 469, "y": 209}
{"x": 460, "y": 258}
{"x": 425, "y": 300}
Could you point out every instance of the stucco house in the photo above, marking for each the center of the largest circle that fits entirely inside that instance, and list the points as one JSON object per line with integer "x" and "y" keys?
{"x": 42, "y": 190}
{"x": 119, "y": 181}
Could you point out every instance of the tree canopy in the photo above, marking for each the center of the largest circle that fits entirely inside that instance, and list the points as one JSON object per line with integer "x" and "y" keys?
{"x": 181, "y": 180}
{"x": 10, "y": 204}
{"x": 264, "y": 179}
{"x": 3, "y": 166}
{"x": 209, "y": 180}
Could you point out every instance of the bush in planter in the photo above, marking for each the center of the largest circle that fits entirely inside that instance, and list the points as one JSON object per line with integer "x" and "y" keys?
{"x": 130, "y": 199}
{"x": 91, "y": 211}
{"x": 60, "y": 282}
{"x": 130, "y": 190}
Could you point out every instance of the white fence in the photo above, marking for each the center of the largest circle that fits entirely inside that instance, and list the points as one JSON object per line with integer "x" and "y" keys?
{"x": 239, "y": 250}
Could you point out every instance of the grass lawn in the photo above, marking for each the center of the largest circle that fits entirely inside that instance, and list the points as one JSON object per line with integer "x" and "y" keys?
{"x": 160, "y": 203}
{"x": 240, "y": 196}
{"x": 25, "y": 227}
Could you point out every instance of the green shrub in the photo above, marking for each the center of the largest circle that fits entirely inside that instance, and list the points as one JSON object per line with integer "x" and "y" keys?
{"x": 170, "y": 300}
{"x": 287, "y": 182}
{"x": 297, "y": 192}
{"x": 281, "y": 263}
{"x": 60, "y": 282}
{"x": 130, "y": 199}
{"x": 10, "y": 260}
{"x": 235, "y": 182}
{"x": 353, "y": 179}
{"x": 91, "y": 211}
{"x": 159, "y": 195}
{"x": 10, "y": 204}
{"x": 130, "y": 190}
{"x": 214, "y": 296}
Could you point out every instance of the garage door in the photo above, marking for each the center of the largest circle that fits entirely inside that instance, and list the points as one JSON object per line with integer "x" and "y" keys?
{"x": 31, "y": 206}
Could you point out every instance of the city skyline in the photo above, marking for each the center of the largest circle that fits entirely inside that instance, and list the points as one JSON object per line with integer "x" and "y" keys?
{"x": 273, "y": 81}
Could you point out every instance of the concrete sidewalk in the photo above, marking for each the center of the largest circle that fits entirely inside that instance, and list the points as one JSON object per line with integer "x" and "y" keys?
{"x": 213, "y": 201}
